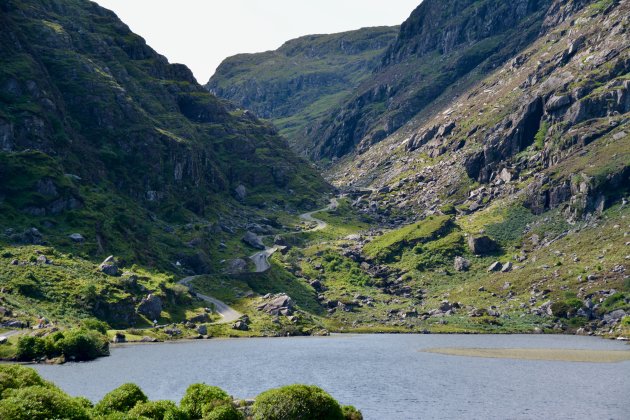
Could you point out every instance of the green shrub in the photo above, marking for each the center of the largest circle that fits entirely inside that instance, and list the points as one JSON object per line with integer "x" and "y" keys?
{"x": 199, "y": 395}
{"x": 566, "y": 308}
{"x": 17, "y": 376}
{"x": 296, "y": 402}
{"x": 83, "y": 345}
{"x": 40, "y": 403}
{"x": 625, "y": 321}
{"x": 122, "y": 399}
{"x": 30, "y": 348}
{"x": 158, "y": 410}
{"x": 221, "y": 412}
{"x": 351, "y": 413}
{"x": 95, "y": 325}
{"x": 541, "y": 135}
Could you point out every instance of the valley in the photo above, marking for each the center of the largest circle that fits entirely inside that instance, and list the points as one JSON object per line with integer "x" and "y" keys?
{"x": 455, "y": 183}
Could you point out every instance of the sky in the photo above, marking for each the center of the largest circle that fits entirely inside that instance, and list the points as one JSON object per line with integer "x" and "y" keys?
{"x": 201, "y": 33}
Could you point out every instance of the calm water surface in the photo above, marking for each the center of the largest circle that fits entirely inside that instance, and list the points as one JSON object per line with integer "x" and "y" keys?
{"x": 386, "y": 376}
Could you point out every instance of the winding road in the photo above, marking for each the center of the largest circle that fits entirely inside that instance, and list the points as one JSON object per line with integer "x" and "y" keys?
{"x": 227, "y": 313}
{"x": 261, "y": 261}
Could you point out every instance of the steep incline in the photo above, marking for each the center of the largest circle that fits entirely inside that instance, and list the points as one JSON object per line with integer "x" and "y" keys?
{"x": 300, "y": 81}
{"x": 81, "y": 94}
{"x": 443, "y": 44}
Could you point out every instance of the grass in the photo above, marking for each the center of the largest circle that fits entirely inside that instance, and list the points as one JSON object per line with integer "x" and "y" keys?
{"x": 390, "y": 244}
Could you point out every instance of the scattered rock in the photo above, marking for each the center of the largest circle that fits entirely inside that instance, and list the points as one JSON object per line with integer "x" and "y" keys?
{"x": 240, "y": 192}
{"x": 253, "y": 240}
{"x": 481, "y": 245}
{"x": 461, "y": 264}
{"x": 119, "y": 338}
{"x": 495, "y": 266}
{"x": 506, "y": 267}
{"x": 77, "y": 237}
{"x": 236, "y": 266}
{"x": 202, "y": 329}
{"x": 240, "y": 326}
{"x": 151, "y": 307}
{"x": 109, "y": 267}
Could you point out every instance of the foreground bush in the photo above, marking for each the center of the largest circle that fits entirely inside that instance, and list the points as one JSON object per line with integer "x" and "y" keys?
{"x": 351, "y": 413}
{"x": 296, "y": 402}
{"x": 198, "y": 396}
{"x": 122, "y": 399}
{"x": 221, "y": 412}
{"x": 25, "y": 395}
{"x": 40, "y": 403}
{"x": 158, "y": 410}
{"x": 16, "y": 376}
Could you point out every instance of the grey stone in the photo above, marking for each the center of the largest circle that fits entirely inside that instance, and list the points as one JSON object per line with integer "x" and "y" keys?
{"x": 253, "y": 240}
{"x": 202, "y": 329}
{"x": 481, "y": 245}
{"x": 151, "y": 307}
{"x": 76, "y": 237}
{"x": 240, "y": 192}
{"x": 495, "y": 266}
{"x": 461, "y": 264}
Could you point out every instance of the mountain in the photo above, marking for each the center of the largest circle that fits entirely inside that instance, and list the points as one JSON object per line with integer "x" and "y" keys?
{"x": 485, "y": 163}
{"x": 440, "y": 46}
{"x": 102, "y": 139}
{"x": 303, "y": 79}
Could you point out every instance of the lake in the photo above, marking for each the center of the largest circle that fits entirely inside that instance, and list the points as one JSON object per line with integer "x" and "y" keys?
{"x": 385, "y": 376}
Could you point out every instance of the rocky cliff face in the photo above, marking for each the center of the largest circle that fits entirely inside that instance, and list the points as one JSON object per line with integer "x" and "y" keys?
{"x": 298, "y": 82}
{"x": 441, "y": 46}
{"x": 92, "y": 118}
{"x": 548, "y": 129}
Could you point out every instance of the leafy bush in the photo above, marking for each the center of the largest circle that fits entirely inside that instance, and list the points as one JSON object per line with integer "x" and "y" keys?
{"x": 221, "y": 412}
{"x": 83, "y": 345}
{"x": 351, "y": 413}
{"x": 122, "y": 399}
{"x": 40, "y": 403}
{"x": 199, "y": 395}
{"x": 158, "y": 410}
{"x": 78, "y": 345}
{"x": 296, "y": 402}
{"x": 541, "y": 135}
{"x": 566, "y": 308}
{"x": 95, "y": 325}
{"x": 30, "y": 348}
{"x": 17, "y": 376}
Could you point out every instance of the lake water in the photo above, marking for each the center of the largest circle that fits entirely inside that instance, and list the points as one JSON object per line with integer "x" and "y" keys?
{"x": 386, "y": 376}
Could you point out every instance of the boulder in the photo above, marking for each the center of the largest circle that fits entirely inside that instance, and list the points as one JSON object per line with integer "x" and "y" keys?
{"x": 506, "y": 267}
{"x": 461, "y": 264}
{"x": 495, "y": 266}
{"x": 280, "y": 304}
{"x": 42, "y": 259}
{"x": 119, "y": 338}
{"x": 240, "y": 326}
{"x": 236, "y": 266}
{"x": 200, "y": 318}
{"x": 240, "y": 192}
{"x": 151, "y": 307}
{"x": 109, "y": 267}
{"x": 253, "y": 240}
{"x": 77, "y": 237}
{"x": 481, "y": 245}
{"x": 202, "y": 329}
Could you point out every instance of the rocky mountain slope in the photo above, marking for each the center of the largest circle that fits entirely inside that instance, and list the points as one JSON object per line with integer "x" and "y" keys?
{"x": 486, "y": 166}
{"x": 303, "y": 79}
{"x": 106, "y": 148}
{"x": 442, "y": 45}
